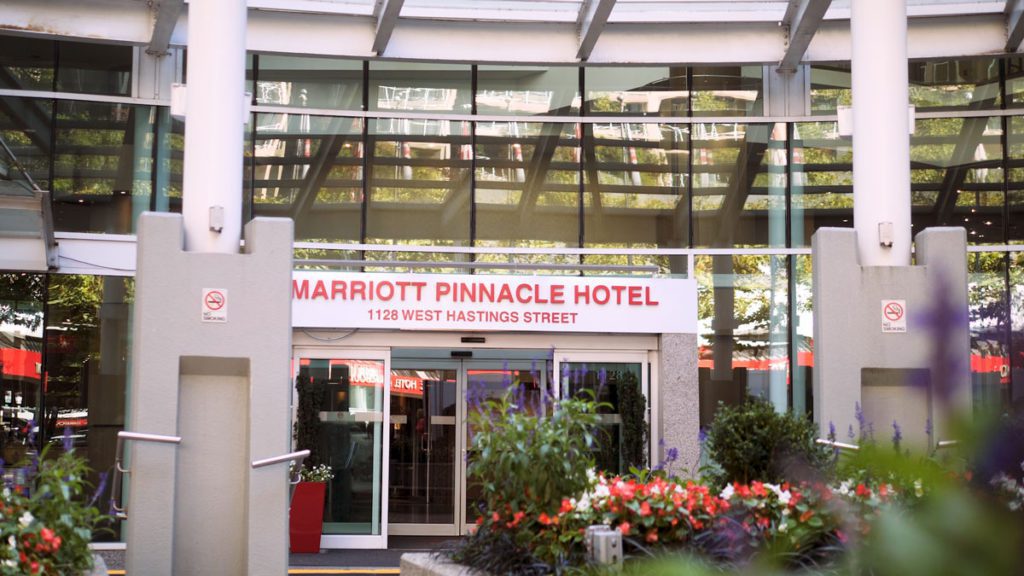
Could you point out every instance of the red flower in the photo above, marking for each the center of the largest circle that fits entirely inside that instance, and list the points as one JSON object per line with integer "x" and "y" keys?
{"x": 479, "y": 520}
{"x": 806, "y": 515}
{"x": 544, "y": 519}
{"x": 495, "y": 516}
{"x": 624, "y": 528}
{"x": 762, "y": 522}
{"x": 652, "y": 536}
{"x": 645, "y": 509}
{"x": 56, "y": 543}
{"x": 758, "y": 489}
{"x": 46, "y": 534}
{"x": 863, "y": 491}
{"x": 566, "y": 506}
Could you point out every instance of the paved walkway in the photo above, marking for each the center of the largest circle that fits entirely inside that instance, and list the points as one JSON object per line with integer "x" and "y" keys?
{"x": 350, "y": 562}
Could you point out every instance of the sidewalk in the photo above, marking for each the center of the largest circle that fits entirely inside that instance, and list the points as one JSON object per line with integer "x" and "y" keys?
{"x": 333, "y": 561}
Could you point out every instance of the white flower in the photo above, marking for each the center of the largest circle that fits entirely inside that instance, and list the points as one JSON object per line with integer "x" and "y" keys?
{"x": 601, "y": 491}
{"x": 918, "y": 488}
{"x": 785, "y": 511}
{"x": 12, "y": 542}
{"x": 26, "y": 519}
{"x": 583, "y": 505}
{"x": 727, "y": 493}
{"x": 783, "y": 527}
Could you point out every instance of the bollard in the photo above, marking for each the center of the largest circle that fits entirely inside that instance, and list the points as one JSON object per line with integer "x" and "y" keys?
{"x": 604, "y": 545}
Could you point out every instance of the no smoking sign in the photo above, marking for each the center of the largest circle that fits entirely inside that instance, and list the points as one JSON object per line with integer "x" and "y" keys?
{"x": 894, "y": 316}
{"x": 215, "y": 305}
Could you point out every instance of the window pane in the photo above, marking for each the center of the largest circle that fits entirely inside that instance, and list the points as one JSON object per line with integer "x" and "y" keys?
{"x": 1017, "y": 327}
{"x": 743, "y": 322}
{"x": 310, "y": 82}
{"x": 528, "y": 90}
{"x": 22, "y": 299}
{"x": 986, "y": 291}
{"x": 88, "y": 339}
{"x": 310, "y": 168}
{"x": 621, "y": 440}
{"x": 94, "y": 68}
{"x": 727, "y": 91}
{"x": 419, "y": 187}
{"x": 1015, "y": 183}
{"x": 822, "y": 179}
{"x": 739, "y": 184}
{"x": 424, "y": 87}
{"x": 527, "y": 185}
{"x": 635, "y": 194}
{"x": 955, "y": 84}
{"x": 956, "y": 176}
{"x": 26, "y": 63}
{"x": 103, "y": 166}
{"x": 25, "y": 127}
{"x": 661, "y": 91}
{"x": 350, "y": 394}
{"x": 830, "y": 87}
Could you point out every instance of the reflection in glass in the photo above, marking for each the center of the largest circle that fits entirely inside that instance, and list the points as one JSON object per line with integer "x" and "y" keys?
{"x": 26, "y": 63}
{"x": 426, "y": 87}
{"x": 830, "y": 87}
{"x": 351, "y": 435}
{"x": 739, "y": 184}
{"x": 635, "y": 192}
{"x": 423, "y": 451}
{"x": 87, "y": 348}
{"x": 21, "y": 355}
{"x": 25, "y": 127}
{"x": 620, "y": 386}
{"x": 527, "y": 184}
{"x": 485, "y": 383}
{"x": 309, "y": 168}
{"x": 1015, "y": 180}
{"x": 802, "y": 346}
{"x": 743, "y": 323}
{"x": 420, "y": 181}
{"x": 637, "y": 91}
{"x": 528, "y": 90}
{"x": 94, "y": 68}
{"x": 821, "y": 183}
{"x": 955, "y": 84}
{"x": 309, "y": 82}
{"x": 727, "y": 91}
{"x": 103, "y": 165}
{"x": 1016, "y": 301}
{"x": 987, "y": 305}
{"x": 957, "y": 177}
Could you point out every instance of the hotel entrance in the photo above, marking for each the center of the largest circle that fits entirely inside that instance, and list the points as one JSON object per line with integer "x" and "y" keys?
{"x": 429, "y": 434}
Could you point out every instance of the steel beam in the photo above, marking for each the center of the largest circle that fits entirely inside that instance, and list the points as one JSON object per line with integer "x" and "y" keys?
{"x": 166, "y": 18}
{"x": 801, "y": 23}
{"x": 593, "y": 18}
{"x": 1014, "y": 24}
{"x": 387, "y": 17}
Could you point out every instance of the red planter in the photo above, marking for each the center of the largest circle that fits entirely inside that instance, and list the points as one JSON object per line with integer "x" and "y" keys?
{"x": 306, "y": 517}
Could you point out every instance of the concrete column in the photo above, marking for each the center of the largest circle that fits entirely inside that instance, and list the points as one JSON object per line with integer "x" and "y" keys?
{"x": 881, "y": 145}
{"x": 213, "y": 123}
{"x": 679, "y": 401}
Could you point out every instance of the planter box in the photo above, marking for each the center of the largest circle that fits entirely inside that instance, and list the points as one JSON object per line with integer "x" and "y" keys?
{"x": 306, "y": 517}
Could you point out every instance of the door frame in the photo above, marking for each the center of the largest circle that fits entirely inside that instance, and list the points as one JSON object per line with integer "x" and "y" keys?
{"x": 338, "y": 352}
{"x": 398, "y": 529}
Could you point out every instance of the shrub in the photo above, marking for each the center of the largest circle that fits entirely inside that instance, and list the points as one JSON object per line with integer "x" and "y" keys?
{"x": 46, "y": 524}
{"x": 754, "y": 442}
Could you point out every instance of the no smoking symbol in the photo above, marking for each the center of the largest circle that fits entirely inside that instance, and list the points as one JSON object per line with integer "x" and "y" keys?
{"x": 214, "y": 300}
{"x": 893, "y": 311}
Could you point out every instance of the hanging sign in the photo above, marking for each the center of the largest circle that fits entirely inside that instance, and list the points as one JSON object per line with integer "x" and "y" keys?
{"x": 485, "y": 302}
{"x": 894, "y": 316}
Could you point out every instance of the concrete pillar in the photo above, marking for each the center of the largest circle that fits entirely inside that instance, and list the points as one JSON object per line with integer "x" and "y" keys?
{"x": 224, "y": 387}
{"x": 881, "y": 145}
{"x": 679, "y": 402}
{"x": 214, "y": 115}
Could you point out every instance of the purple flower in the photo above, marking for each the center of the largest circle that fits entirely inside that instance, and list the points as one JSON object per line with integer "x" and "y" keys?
{"x": 671, "y": 455}
{"x": 702, "y": 436}
{"x": 850, "y": 433}
{"x": 928, "y": 427}
{"x": 861, "y": 422}
{"x": 897, "y": 435}
{"x": 100, "y": 488}
{"x": 832, "y": 431}
{"x": 69, "y": 443}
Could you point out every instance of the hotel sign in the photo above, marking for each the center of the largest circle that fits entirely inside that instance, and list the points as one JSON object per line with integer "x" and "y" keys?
{"x": 485, "y": 302}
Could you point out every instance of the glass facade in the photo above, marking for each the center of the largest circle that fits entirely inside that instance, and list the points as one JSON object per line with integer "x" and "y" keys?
{"x": 453, "y": 156}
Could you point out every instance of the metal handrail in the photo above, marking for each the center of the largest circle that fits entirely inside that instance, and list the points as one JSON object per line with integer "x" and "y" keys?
{"x": 946, "y": 444}
{"x": 839, "y": 445}
{"x": 296, "y": 457}
{"x": 119, "y": 470}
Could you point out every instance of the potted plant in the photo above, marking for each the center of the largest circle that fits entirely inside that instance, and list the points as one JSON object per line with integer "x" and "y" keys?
{"x": 305, "y": 518}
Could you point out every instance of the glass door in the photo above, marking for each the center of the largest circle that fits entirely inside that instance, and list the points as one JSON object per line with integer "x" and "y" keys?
{"x": 426, "y": 441}
{"x": 490, "y": 379}
{"x": 349, "y": 395}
